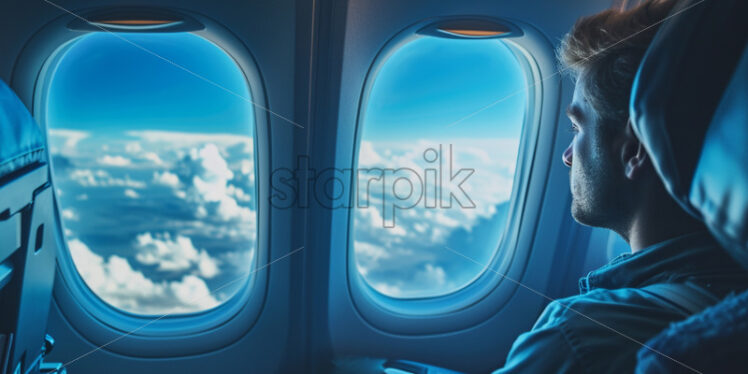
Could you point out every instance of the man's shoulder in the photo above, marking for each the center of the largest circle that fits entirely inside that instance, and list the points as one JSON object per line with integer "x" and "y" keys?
{"x": 606, "y": 323}
{"x": 599, "y": 331}
{"x": 600, "y": 305}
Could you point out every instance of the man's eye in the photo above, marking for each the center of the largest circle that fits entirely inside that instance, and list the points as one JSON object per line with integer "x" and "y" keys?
{"x": 573, "y": 128}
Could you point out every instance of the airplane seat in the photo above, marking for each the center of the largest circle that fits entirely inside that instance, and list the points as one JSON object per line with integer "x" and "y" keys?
{"x": 688, "y": 109}
{"x": 689, "y": 106}
{"x": 27, "y": 242}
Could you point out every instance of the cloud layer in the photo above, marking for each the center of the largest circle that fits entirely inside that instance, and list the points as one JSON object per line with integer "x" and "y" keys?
{"x": 157, "y": 220}
{"x": 414, "y": 258}
{"x": 116, "y": 282}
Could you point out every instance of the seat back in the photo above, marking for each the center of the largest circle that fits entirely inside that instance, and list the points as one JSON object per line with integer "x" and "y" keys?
{"x": 688, "y": 107}
{"x": 27, "y": 242}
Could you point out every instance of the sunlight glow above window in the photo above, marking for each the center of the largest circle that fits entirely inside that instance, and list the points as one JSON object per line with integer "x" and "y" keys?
{"x": 440, "y": 111}
{"x": 154, "y": 169}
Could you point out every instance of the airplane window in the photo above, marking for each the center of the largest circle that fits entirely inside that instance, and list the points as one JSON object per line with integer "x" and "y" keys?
{"x": 439, "y": 141}
{"x": 154, "y": 169}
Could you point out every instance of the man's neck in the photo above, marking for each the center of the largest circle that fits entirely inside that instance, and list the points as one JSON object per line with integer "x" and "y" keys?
{"x": 657, "y": 225}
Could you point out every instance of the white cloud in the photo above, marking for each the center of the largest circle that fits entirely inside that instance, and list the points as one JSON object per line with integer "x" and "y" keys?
{"x": 153, "y": 157}
{"x": 424, "y": 231}
{"x": 431, "y": 275}
{"x": 168, "y": 254}
{"x": 388, "y": 289}
{"x": 131, "y": 193}
{"x": 367, "y": 156}
{"x": 397, "y": 230}
{"x": 237, "y": 193}
{"x": 133, "y": 147}
{"x": 229, "y": 210}
{"x": 205, "y": 179}
{"x": 242, "y": 260}
{"x": 114, "y": 161}
{"x": 492, "y": 161}
{"x": 368, "y": 255}
{"x": 247, "y": 167}
{"x": 214, "y": 173}
{"x": 177, "y": 139}
{"x": 166, "y": 179}
{"x": 69, "y": 214}
{"x": 370, "y": 252}
{"x": 207, "y": 266}
{"x": 209, "y": 175}
{"x": 443, "y": 220}
{"x": 426, "y": 278}
{"x": 114, "y": 280}
{"x": 420, "y": 227}
{"x": 136, "y": 151}
{"x": 373, "y": 216}
{"x": 65, "y": 141}
{"x": 177, "y": 254}
{"x": 100, "y": 178}
{"x": 84, "y": 177}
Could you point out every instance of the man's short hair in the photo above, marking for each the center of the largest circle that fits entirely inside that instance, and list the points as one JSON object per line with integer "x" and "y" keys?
{"x": 608, "y": 47}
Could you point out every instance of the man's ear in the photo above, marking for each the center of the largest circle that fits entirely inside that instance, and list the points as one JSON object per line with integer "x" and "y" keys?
{"x": 633, "y": 154}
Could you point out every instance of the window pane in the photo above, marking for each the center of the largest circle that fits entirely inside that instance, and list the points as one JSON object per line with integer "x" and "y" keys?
{"x": 154, "y": 169}
{"x": 440, "y": 111}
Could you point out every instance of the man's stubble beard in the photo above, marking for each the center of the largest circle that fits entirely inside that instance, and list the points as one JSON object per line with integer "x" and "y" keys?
{"x": 596, "y": 197}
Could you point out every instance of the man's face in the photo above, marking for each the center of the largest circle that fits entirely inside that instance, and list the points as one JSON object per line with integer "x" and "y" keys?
{"x": 596, "y": 177}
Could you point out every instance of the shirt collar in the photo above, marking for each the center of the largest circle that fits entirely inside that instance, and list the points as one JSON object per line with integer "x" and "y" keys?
{"x": 680, "y": 256}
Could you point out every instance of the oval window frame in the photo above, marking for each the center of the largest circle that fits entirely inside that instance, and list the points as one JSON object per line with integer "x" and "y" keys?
{"x": 121, "y": 331}
{"x": 488, "y": 292}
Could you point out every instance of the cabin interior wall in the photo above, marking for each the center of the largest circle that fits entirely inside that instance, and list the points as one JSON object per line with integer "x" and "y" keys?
{"x": 303, "y": 50}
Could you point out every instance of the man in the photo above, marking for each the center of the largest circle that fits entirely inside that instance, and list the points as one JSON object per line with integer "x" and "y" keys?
{"x": 615, "y": 186}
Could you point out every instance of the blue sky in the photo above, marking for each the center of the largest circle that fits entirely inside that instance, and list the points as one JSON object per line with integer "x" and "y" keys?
{"x": 174, "y": 157}
{"x": 104, "y": 82}
{"x": 432, "y": 82}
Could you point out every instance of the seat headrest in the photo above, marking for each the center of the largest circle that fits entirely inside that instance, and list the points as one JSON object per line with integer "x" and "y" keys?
{"x": 688, "y": 107}
{"x": 21, "y": 139}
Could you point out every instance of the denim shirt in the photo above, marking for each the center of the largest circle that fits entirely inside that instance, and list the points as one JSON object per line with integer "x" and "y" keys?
{"x": 601, "y": 330}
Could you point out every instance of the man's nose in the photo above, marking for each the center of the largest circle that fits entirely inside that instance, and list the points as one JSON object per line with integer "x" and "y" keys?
{"x": 567, "y": 155}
